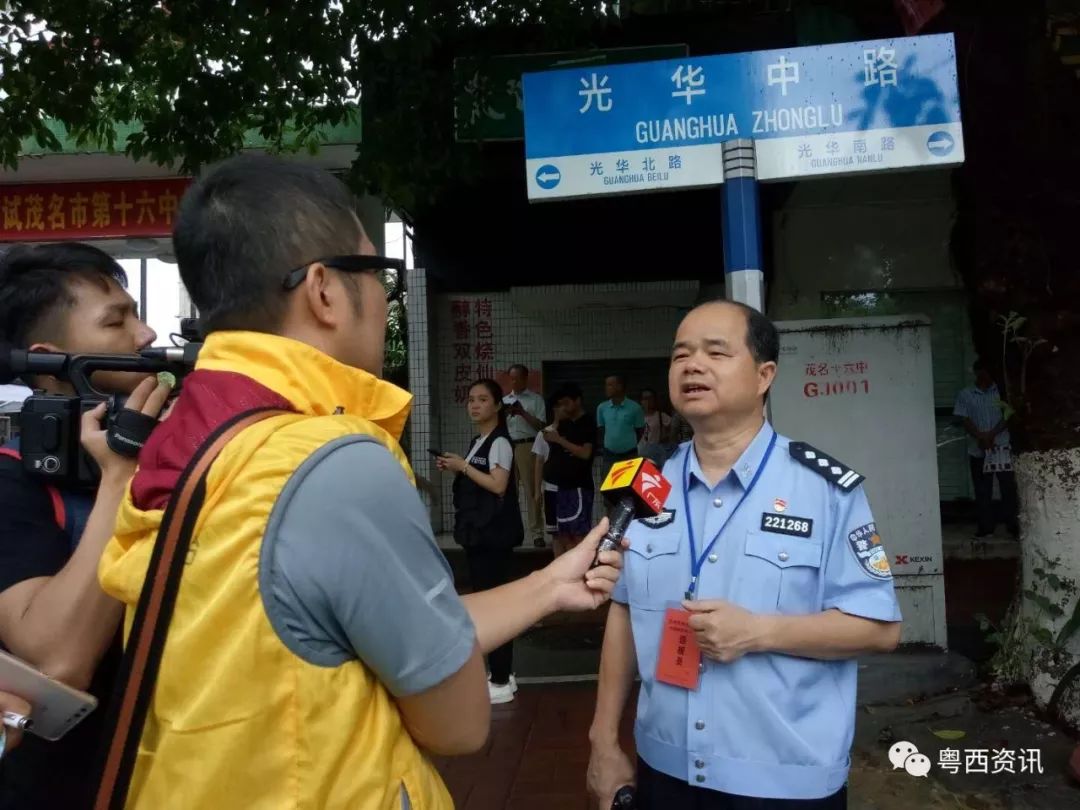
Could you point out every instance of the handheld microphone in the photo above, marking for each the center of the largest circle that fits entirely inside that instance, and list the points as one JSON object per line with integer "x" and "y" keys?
{"x": 624, "y": 799}
{"x": 636, "y": 489}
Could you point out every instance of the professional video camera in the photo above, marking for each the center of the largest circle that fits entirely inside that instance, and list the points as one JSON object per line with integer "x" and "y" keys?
{"x": 50, "y": 424}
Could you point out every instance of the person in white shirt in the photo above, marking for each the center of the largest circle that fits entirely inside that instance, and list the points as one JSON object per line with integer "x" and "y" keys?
{"x": 487, "y": 523}
{"x": 526, "y": 416}
{"x": 545, "y": 490}
{"x": 989, "y": 452}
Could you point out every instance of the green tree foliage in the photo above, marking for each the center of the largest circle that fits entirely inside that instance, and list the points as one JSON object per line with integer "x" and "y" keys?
{"x": 185, "y": 83}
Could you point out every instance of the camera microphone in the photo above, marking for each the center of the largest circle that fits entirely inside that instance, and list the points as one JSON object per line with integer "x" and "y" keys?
{"x": 184, "y": 355}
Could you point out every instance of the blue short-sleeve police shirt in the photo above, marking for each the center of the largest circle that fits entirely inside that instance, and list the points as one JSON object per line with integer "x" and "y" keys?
{"x": 767, "y": 725}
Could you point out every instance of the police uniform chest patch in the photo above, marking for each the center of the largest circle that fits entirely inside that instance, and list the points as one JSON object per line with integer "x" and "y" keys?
{"x": 865, "y": 543}
{"x": 665, "y": 518}
{"x": 786, "y": 524}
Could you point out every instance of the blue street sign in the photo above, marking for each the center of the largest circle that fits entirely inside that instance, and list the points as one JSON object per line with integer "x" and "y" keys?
{"x": 548, "y": 176}
{"x": 833, "y": 109}
{"x": 940, "y": 143}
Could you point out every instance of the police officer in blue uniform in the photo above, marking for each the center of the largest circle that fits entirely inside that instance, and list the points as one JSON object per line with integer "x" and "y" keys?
{"x": 745, "y": 603}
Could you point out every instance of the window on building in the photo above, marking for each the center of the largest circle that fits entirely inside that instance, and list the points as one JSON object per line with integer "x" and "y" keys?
{"x": 161, "y": 301}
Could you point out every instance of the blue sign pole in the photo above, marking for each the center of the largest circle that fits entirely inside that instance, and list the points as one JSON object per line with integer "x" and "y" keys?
{"x": 744, "y": 277}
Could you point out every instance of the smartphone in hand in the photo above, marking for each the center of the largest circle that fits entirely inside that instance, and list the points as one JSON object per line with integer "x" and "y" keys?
{"x": 57, "y": 707}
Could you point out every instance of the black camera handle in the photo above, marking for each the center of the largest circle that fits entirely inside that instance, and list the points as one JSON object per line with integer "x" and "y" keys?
{"x": 81, "y": 366}
{"x": 77, "y": 368}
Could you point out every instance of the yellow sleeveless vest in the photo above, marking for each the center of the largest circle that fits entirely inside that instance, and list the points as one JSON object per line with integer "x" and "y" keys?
{"x": 238, "y": 720}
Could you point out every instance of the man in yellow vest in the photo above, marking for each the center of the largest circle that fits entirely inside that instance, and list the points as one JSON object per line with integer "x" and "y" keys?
{"x": 317, "y": 648}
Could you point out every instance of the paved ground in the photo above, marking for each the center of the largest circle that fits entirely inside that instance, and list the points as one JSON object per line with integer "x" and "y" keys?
{"x": 538, "y": 750}
{"x": 990, "y": 723}
{"x": 536, "y": 756}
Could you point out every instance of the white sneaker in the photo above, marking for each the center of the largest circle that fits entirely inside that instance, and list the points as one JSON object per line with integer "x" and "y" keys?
{"x": 500, "y": 694}
{"x": 513, "y": 682}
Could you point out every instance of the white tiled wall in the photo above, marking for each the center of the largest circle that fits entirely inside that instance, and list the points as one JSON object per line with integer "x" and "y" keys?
{"x": 530, "y": 326}
{"x": 421, "y": 381}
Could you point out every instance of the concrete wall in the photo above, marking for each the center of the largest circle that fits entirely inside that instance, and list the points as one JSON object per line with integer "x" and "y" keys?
{"x": 875, "y": 232}
{"x": 841, "y": 381}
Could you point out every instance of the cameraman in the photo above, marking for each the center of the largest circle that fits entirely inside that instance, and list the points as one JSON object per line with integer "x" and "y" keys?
{"x": 67, "y": 298}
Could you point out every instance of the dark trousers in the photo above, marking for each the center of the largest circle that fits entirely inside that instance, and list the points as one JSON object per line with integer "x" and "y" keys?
{"x": 658, "y": 791}
{"x": 984, "y": 494}
{"x": 489, "y": 568}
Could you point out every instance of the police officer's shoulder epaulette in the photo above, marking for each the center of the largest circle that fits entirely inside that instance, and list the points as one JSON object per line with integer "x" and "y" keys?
{"x": 826, "y": 466}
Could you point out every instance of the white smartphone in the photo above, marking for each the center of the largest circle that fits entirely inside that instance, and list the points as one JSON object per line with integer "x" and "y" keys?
{"x": 56, "y": 707}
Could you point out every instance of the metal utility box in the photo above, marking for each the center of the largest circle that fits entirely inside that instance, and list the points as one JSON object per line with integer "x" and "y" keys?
{"x": 862, "y": 390}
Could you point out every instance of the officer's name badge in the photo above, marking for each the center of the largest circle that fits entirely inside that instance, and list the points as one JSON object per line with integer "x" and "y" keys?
{"x": 664, "y": 518}
{"x": 865, "y": 543}
{"x": 785, "y": 524}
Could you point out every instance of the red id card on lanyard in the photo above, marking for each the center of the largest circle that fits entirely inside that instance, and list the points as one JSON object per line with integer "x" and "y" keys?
{"x": 679, "y": 660}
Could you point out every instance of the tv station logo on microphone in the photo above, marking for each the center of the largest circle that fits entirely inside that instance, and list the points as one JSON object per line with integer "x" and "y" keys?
{"x": 621, "y": 474}
{"x": 642, "y": 477}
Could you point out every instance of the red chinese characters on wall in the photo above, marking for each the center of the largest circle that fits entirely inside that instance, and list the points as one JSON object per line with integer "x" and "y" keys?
{"x": 836, "y": 379}
{"x": 836, "y": 369}
{"x": 474, "y": 343}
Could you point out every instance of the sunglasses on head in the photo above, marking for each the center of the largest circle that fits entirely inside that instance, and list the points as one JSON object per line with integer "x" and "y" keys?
{"x": 354, "y": 264}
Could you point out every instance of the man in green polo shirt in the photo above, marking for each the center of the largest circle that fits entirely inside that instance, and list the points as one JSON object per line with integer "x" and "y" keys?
{"x": 621, "y": 422}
